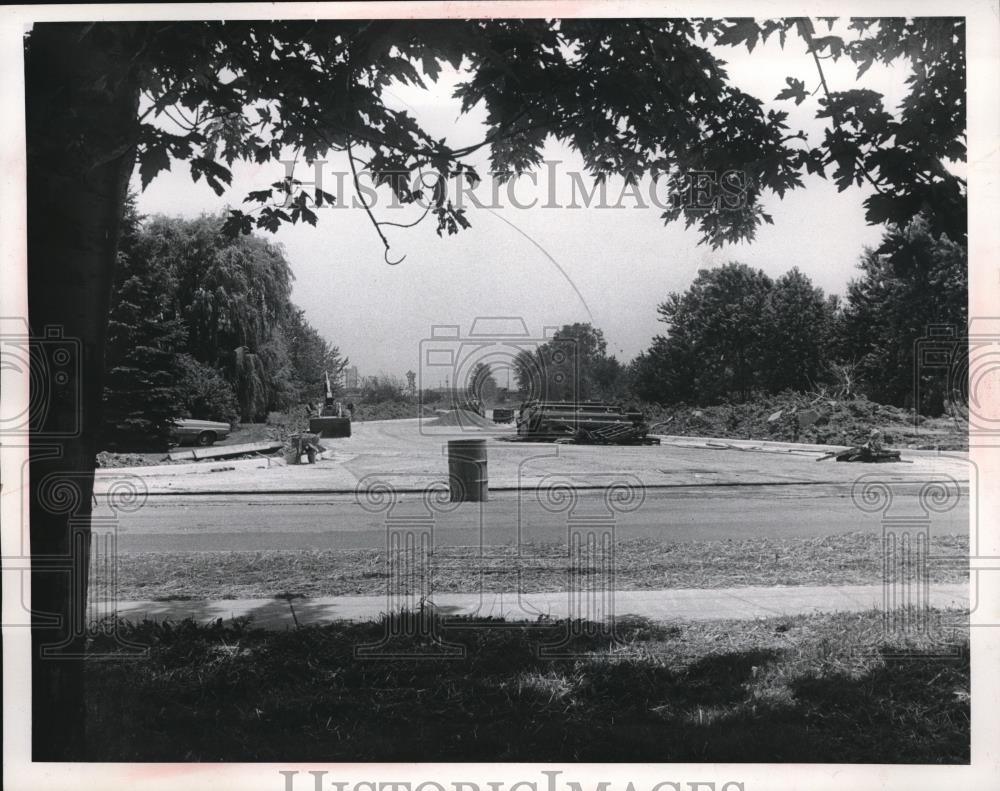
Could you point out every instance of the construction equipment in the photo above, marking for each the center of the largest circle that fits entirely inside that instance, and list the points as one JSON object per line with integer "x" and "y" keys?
{"x": 872, "y": 452}
{"x": 299, "y": 444}
{"x": 330, "y": 422}
{"x": 589, "y": 422}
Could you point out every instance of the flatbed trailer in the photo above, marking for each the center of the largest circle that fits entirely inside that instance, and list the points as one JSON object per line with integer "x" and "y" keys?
{"x": 590, "y": 422}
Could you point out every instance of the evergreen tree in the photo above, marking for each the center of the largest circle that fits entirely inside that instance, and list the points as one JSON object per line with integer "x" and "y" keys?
{"x": 144, "y": 336}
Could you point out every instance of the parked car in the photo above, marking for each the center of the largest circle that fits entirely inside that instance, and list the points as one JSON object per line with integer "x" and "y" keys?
{"x": 187, "y": 431}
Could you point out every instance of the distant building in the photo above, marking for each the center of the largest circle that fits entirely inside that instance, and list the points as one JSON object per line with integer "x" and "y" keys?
{"x": 351, "y": 379}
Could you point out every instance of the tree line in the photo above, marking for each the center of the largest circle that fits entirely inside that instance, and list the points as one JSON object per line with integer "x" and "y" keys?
{"x": 202, "y": 325}
{"x": 736, "y": 332}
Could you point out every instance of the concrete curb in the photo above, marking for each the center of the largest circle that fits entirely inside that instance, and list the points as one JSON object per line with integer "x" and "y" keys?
{"x": 194, "y": 468}
{"x": 416, "y": 489}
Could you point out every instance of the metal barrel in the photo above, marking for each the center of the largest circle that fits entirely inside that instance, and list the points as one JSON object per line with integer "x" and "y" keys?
{"x": 468, "y": 481}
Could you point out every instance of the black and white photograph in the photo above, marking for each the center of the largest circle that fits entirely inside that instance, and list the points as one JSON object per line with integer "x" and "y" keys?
{"x": 498, "y": 396}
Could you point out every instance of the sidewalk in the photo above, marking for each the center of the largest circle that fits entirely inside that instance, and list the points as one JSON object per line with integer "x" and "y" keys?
{"x": 683, "y": 603}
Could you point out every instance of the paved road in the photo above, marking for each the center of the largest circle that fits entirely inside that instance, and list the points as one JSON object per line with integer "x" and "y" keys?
{"x": 411, "y": 454}
{"x": 327, "y": 521}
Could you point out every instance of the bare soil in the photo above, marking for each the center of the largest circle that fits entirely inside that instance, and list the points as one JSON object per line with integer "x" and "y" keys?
{"x": 794, "y": 417}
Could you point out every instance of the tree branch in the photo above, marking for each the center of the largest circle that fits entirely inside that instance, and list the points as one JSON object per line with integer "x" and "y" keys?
{"x": 807, "y": 35}
{"x": 367, "y": 208}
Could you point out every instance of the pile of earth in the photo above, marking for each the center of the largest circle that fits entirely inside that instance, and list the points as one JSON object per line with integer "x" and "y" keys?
{"x": 795, "y": 417}
{"x": 387, "y": 410}
{"x": 463, "y": 418}
{"x": 106, "y": 459}
{"x": 111, "y": 460}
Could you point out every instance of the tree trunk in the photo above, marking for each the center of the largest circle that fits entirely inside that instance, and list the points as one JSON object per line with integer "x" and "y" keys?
{"x": 81, "y": 114}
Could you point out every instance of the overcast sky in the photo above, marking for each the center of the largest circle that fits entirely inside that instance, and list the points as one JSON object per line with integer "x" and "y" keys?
{"x": 549, "y": 266}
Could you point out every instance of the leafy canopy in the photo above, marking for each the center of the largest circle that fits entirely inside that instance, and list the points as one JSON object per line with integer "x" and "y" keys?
{"x": 902, "y": 156}
{"x": 633, "y": 96}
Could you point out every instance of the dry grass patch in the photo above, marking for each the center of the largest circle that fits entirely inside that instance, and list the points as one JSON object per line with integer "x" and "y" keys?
{"x": 846, "y": 559}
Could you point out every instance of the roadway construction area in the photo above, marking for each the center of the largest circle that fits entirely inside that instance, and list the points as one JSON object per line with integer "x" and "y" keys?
{"x": 411, "y": 454}
{"x": 692, "y": 600}
{"x": 689, "y": 514}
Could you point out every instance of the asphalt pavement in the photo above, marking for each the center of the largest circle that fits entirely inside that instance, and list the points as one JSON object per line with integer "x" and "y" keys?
{"x": 411, "y": 455}
{"x": 341, "y": 521}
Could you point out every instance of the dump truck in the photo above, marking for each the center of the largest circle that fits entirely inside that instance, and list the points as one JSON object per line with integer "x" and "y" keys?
{"x": 591, "y": 422}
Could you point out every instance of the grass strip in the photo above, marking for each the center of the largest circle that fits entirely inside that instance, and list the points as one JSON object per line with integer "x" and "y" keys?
{"x": 847, "y": 559}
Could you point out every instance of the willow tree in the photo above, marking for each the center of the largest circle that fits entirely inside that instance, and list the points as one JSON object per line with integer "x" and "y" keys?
{"x": 633, "y": 97}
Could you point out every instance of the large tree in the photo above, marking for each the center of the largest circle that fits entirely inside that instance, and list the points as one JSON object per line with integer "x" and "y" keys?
{"x": 735, "y": 330}
{"x": 631, "y": 96}
{"x": 223, "y": 301}
{"x": 230, "y": 292}
{"x": 718, "y": 333}
{"x": 799, "y": 321}
{"x": 911, "y": 281}
{"x": 144, "y": 339}
{"x": 576, "y": 365}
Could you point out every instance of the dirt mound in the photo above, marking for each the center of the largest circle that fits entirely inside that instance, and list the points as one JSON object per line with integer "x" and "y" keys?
{"x": 794, "y": 417}
{"x": 109, "y": 459}
{"x": 385, "y": 410}
{"x": 463, "y": 418}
